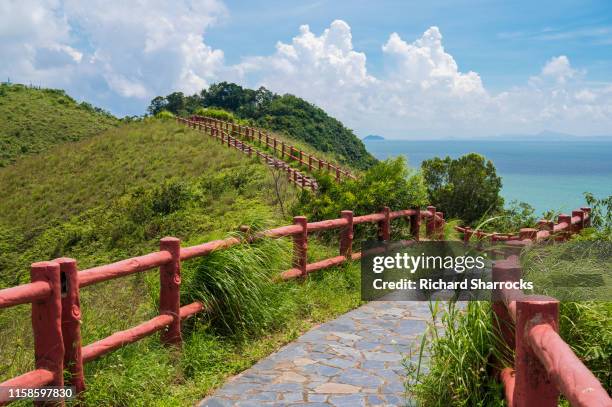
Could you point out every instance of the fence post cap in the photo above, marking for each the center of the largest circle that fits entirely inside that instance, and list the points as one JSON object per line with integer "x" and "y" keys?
{"x": 169, "y": 239}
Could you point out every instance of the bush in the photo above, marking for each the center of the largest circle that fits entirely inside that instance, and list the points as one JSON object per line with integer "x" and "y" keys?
{"x": 388, "y": 183}
{"x": 237, "y": 285}
{"x": 218, "y": 114}
{"x": 466, "y": 188}
{"x": 164, "y": 115}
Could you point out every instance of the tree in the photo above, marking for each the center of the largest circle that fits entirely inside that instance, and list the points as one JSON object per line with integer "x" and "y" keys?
{"x": 157, "y": 105}
{"x": 466, "y": 188}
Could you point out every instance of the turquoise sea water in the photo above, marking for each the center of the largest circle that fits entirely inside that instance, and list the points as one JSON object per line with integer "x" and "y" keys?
{"x": 549, "y": 175}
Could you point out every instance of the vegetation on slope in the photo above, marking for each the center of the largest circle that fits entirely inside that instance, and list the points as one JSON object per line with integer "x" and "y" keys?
{"x": 33, "y": 120}
{"x": 136, "y": 184}
{"x": 458, "y": 363}
{"x": 286, "y": 114}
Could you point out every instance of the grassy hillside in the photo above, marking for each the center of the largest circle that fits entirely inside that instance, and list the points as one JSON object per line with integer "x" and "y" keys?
{"x": 33, "y": 120}
{"x": 113, "y": 196}
{"x": 116, "y": 193}
{"x": 286, "y": 114}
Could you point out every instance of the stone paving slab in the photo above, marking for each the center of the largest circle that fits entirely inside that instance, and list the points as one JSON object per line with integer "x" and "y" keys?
{"x": 354, "y": 360}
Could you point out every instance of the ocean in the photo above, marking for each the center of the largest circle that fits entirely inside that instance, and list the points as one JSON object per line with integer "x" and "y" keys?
{"x": 549, "y": 175}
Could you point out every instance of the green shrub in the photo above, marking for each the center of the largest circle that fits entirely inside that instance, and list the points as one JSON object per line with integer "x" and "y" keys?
{"x": 218, "y": 114}
{"x": 237, "y": 285}
{"x": 164, "y": 115}
{"x": 387, "y": 183}
{"x": 466, "y": 188}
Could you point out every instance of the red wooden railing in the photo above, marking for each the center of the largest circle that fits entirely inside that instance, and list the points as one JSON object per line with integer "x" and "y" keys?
{"x": 278, "y": 146}
{"x": 55, "y": 285}
{"x": 293, "y": 175}
{"x": 544, "y": 365}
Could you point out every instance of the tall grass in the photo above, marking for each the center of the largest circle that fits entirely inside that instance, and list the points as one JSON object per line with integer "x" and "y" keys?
{"x": 454, "y": 362}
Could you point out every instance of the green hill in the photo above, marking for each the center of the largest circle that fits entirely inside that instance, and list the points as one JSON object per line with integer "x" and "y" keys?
{"x": 287, "y": 114}
{"x": 117, "y": 193}
{"x": 33, "y": 120}
{"x": 113, "y": 196}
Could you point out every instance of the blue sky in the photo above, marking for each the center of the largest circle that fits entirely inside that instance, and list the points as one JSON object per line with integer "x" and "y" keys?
{"x": 404, "y": 69}
{"x": 505, "y": 41}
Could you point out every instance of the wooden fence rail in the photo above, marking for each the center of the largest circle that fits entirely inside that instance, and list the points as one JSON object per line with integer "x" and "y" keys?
{"x": 294, "y": 176}
{"x": 55, "y": 286}
{"x": 278, "y": 146}
{"x": 544, "y": 365}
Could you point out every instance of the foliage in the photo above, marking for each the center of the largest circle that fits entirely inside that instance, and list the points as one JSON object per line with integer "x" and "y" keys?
{"x": 601, "y": 211}
{"x": 387, "y": 183}
{"x": 509, "y": 219}
{"x": 34, "y": 120}
{"x": 458, "y": 360}
{"x": 219, "y": 114}
{"x": 124, "y": 200}
{"x": 466, "y": 188}
{"x": 287, "y": 114}
{"x": 164, "y": 115}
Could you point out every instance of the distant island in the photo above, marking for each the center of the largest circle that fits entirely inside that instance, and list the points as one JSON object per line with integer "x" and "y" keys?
{"x": 373, "y": 137}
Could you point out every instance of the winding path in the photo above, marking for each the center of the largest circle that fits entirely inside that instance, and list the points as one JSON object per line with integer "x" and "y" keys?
{"x": 354, "y": 360}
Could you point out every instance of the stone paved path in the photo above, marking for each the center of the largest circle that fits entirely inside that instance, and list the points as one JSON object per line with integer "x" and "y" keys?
{"x": 354, "y": 360}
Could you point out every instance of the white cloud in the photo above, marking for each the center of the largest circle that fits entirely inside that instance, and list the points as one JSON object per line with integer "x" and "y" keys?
{"x": 112, "y": 53}
{"x": 121, "y": 54}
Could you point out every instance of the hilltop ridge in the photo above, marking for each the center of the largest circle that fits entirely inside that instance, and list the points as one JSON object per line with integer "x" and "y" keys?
{"x": 33, "y": 120}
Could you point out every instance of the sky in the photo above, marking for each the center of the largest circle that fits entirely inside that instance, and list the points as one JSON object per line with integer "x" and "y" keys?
{"x": 401, "y": 69}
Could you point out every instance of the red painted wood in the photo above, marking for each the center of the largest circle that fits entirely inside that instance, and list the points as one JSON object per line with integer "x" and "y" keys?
{"x": 300, "y": 244}
{"x": 327, "y": 224}
{"x": 23, "y": 294}
{"x": 47, "y": 323}
{"x": 331, "y": 262}
{"x": 415, "y": 224}
{"x": 528, "y": 234}
{"x": 571, "y": 377}
{"x": 587, "y": 216}
{"x": 122, "y": 338}
{"x": 403, "y": 213}
{"x": 384, "y": 225}
{"x": 509, "y": 380}
{"x": 169, "y": 293}
{"x": 346, "y": 235}
{"x": 71, "y": 324}
{"x": 205, "y": 248}
{"x": 374, "y": 217}
{"x": 35, "y": 378}
{"x": 186, "y": 311}
{"x": 533, "y": 386}
{"x": 430, "y": 226}
{"x": 123, "y": 268}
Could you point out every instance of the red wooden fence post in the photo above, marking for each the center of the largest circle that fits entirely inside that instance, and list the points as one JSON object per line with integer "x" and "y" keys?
{"x": 337, "y": 174}
{"x": 504, "y": 270}
{"x": 71, "y": 323}
{"x": 533, "y": 387}
{"x": 300, "y": 244}
{"x": 384, "y": 232}
{"x": 567, "y": 219}
{"x": 282, "y": 150}
{"x": 528, "y": 234}
{"x": 430, "y": 225}
{"x": 439, "y": 225}
{"x": 47, "y": 323}
{"x": 467, "y": 234}
{"x": 170, "y": 289}
{"x": 415, "y": 224}
{"x": 587, "y": 216}
{"x": 346, "y": 235}
{"x": 580, "y": 225}
{"x": 309, "y": 163}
